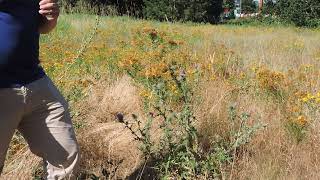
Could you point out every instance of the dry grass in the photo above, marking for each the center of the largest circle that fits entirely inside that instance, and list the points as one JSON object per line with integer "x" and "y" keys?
{"x": 272, "y": 154}
{"x": 22, "y": 166}
{"x": 106, "y": 143}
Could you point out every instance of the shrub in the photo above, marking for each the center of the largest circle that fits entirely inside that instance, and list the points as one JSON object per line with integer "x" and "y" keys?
{"x": 192, "y": 10}
{"x": 269, "y": 7}
{"x": 258, "y": 21}
{"x": 122, "y": 7}
{"x": 300, "y": 12}
{"x": 248, "y": 6}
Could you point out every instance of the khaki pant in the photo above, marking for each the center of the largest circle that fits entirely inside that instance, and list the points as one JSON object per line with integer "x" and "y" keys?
{"x": 41, "y": 114}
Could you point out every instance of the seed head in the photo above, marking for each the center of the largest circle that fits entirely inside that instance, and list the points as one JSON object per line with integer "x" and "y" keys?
{"x": 120, "y": 117}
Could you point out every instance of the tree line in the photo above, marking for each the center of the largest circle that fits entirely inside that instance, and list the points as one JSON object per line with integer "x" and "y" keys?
{"x": 163, "y": 10}
{"x": 298, "y": 12}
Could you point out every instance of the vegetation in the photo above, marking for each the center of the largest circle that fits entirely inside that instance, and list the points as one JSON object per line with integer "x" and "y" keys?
{"x": 163, "y": 10}
{"x": 230, "y": 4}
{"x": 192, "y": 10}
{"x": 249, "y": 6}
{"x": 259, "y": 21}
{"x": 295, "y": 12}
{"x": 165, "y": 100}
{"x": 300, "y": 12}
{"x": 269, "y": 8}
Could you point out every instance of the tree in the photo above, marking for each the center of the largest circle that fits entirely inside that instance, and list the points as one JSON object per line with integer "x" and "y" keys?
{"x": 185, "y": 10}
{"x": 172, "y": 10}
{"x": 214, "y": 10}
{"x": 299, "y": 12}
{"x": 269, "y": 7}
{"x": 128, "y": 7}
{"x": 248, "y": 6}
{"x": 230, "y": 4}
{"x": 160, "y": 10}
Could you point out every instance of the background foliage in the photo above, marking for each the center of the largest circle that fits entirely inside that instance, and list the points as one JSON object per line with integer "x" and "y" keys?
{"x": 300, "y": 12}
{"x": 248, "y": 6}
{"x": 190, "y": 10}
{"x": 178, "y": 10}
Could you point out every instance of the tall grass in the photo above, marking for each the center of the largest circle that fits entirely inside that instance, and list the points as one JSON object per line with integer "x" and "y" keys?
{"x": 256, "y": 87}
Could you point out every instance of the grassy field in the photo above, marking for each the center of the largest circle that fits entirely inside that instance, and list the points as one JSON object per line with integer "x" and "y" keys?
{"x": 252, "y": 93}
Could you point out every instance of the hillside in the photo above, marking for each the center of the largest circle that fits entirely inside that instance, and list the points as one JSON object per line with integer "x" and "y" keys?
{"x": 252, "y": 93}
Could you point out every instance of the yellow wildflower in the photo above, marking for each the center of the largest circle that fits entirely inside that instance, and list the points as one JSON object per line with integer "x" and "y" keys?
{"x": 305, "y": 99}
{"x": 309, "y": 97}
{"x": 301, "y": 120}
{"x": 146, "y": 94}
{"x": 254, "y": 69}
{"x": 213, "y": 77}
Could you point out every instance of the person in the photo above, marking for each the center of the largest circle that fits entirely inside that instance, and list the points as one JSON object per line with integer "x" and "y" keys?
{"x": 29, "y": 101}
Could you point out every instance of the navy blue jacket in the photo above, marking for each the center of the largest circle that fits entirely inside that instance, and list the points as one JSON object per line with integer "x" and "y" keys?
{"x": 19, "y": 42}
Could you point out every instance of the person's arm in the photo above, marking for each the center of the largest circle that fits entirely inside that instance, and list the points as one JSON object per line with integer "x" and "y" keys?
{"x": 49, "y": 9}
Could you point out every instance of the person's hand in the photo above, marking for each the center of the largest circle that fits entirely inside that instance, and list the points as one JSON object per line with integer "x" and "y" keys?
{"x": 49, "y": 9}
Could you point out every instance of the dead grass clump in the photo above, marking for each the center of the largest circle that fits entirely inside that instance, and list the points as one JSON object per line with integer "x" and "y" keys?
{"x": 109, "y": 154}
{"x": 107, "y": 100}
{"x": 108, "y": 149}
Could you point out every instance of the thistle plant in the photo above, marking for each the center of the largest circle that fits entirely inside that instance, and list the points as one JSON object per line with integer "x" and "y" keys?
{"x": 168, "y": 102}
